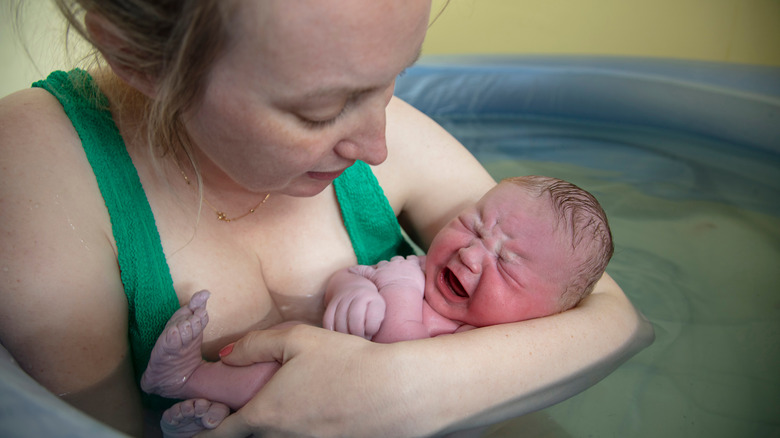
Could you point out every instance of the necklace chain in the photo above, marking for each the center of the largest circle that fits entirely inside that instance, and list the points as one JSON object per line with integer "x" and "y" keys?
{"x": 221, "y": 216}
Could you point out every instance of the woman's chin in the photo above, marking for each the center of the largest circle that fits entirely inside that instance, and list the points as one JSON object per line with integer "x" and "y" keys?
{"x": 305, "y": 189}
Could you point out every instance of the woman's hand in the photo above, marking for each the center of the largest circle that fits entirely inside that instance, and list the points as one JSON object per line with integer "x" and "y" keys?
{"x": 325, "y": 387}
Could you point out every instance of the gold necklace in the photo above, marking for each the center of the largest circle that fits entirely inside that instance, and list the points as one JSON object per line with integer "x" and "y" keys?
{"x": 221, "y": 214}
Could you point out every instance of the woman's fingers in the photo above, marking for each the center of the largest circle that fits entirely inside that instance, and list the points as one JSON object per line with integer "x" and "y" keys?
{"x": 258, "y": 346}
{"x": 279, "y": 344}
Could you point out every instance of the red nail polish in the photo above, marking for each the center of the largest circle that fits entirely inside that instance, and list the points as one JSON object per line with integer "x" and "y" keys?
{"x": 227, "y": 349}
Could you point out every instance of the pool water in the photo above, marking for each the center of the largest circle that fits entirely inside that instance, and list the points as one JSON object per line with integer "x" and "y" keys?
{"x": 696, "y": 225}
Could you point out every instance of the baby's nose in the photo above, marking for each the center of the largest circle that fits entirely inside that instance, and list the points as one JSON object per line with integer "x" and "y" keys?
{"x": 471, "y": 257}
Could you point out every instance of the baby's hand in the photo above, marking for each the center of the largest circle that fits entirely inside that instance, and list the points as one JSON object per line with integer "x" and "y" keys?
{"x": 359, "y": 312}
{"x": 400, "y": 272}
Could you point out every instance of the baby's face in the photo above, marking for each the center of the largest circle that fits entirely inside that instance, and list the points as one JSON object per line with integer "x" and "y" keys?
{"x": 499, "y": 261}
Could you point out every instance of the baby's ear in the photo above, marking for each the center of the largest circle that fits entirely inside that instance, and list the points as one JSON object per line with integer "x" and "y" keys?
{"x": 112, "y": 44}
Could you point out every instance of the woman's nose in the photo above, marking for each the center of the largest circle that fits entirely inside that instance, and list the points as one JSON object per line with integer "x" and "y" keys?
{"x": 367, "y": 141}
{"x": 366, "y": 145}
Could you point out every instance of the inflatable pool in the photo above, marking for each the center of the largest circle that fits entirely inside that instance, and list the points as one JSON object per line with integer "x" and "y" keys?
{"x": 685, "y": 158}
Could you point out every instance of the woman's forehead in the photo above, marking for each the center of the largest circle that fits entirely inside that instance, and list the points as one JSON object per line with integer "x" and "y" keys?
{"x": 329, "y": 43}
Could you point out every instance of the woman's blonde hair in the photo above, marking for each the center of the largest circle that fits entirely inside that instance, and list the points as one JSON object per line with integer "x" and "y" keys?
{"x": 172, "y": 43}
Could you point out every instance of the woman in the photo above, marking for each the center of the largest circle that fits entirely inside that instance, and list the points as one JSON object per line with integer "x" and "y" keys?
{"x": 237, "y": 117}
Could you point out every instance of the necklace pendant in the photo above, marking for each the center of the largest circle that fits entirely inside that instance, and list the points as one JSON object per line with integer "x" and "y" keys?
{"x": 221, "y": 216}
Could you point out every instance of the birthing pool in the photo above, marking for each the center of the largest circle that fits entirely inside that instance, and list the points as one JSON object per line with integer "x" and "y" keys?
{"x": 685, "y": 158}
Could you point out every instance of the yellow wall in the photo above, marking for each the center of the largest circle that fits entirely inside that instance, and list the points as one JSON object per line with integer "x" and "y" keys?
{"x": 745, "y": 31}
{"x": 36, "y": 48}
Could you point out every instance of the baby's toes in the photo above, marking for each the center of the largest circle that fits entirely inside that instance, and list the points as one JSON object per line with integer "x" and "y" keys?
{"x": 172, "y": 339}
{"x": 185, "y": 331}
{"x": 211, "y": 414}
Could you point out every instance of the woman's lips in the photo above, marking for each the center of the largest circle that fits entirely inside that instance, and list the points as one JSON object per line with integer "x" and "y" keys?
{"x": 325, "y": 176}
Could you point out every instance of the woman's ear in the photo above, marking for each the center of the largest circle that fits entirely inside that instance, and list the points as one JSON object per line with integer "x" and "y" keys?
{"x": 109, "y": 41}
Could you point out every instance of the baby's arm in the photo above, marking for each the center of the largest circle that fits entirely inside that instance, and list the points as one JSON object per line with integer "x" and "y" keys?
{"x": 401, "y": 282}
{"x": 352, "y": 303}
{"x": 382, "y": 303}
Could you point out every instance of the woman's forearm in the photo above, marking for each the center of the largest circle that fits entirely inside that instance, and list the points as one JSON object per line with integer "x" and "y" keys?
{"x": 493, "y": 373}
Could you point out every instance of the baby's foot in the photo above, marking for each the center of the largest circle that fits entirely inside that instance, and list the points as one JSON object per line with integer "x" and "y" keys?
{"x": 177, "y": 351}
{"x": 189, "y": 417}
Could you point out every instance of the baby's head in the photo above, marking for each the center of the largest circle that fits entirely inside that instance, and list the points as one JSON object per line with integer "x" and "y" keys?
{"x": 531, "y": 247}
{"x": 582, "y": 223}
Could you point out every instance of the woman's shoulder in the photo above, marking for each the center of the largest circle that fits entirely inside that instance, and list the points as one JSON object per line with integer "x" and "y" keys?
{"x": 32, "y": 117}
{"x": 410, "y": 133}
{"x": 44, "y": 165}
{"x": 428, "y": 175}
{"x": 40, "y": 146}
{"x": 417, "y": 143}
{"x": 406, "y": 124}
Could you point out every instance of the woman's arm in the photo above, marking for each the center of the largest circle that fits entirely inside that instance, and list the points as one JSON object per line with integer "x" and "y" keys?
{"x": 64, "y": 313}
{"x": 577, "y": 348}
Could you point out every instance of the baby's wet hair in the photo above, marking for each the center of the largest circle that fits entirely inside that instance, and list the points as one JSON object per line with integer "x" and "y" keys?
{"x": 588, "y": 229}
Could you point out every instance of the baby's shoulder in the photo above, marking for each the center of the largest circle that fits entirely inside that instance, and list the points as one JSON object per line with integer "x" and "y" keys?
{"x": 438, "y": 324}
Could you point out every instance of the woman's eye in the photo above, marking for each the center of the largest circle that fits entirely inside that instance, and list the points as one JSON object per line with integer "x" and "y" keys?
{"x": 318, "y": 124}
{"x": 324, "y": 123}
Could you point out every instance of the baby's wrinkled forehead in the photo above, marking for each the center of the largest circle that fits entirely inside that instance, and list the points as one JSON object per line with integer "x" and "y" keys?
{"x": 512, "y": 199}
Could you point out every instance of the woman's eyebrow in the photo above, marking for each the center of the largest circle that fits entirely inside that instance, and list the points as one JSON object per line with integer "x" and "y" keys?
{"x": 321, "y": 93}
{"x": 341, "y": 91}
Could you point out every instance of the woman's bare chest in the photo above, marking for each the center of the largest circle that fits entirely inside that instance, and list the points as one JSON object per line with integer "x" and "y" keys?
{"x": 259, "y": 274}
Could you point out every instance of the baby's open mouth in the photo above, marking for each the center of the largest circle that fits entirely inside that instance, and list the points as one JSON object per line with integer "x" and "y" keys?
{"x": 454, "y": 284}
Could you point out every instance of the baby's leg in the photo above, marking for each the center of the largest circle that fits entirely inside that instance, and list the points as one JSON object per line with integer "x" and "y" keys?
{"x": 185, "y": 419}
{"x": 177, "y": 355}
{"x": 177, "y": 370}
